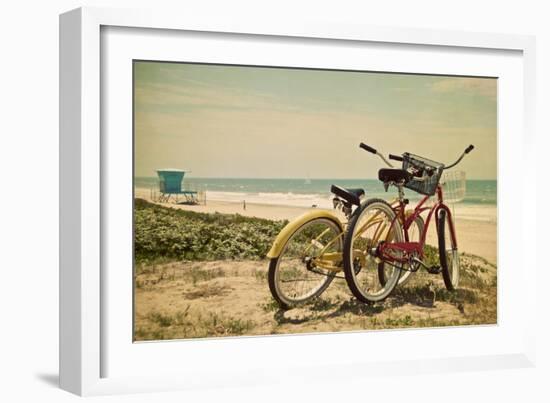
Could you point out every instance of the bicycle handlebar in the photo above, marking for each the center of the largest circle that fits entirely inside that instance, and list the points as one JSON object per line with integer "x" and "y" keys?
{"x": 429, "y": 171}
{"x": 466, "y": 151}
{"x": 395, "y": 157}
{"x": 367, "y": 148}
{"x": 372, "y": 150}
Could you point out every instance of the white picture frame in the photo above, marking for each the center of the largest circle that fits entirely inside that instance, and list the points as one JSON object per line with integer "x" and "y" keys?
{"x": 85, "y": 345}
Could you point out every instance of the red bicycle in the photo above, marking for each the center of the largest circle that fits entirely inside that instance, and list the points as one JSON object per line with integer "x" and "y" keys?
{"x": 377, "y": 247}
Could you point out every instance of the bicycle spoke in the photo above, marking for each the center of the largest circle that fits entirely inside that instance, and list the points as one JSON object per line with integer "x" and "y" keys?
{"x": 298, "y": 277}
{"x": 375, "y": 224}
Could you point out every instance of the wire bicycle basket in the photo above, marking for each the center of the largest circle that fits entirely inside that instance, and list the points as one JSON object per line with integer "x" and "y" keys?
{"x": 425, "y": 186}
{"x": 454, "y": 186}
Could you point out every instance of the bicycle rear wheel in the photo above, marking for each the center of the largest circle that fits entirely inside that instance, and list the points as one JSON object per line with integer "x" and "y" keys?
{"x": 299, "y": 273}
{"x": 373, "y": 224}
{"x": 448, "y": 252}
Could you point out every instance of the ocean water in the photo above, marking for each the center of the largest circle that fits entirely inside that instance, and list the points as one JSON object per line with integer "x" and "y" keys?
{"x": 305, "y": 193}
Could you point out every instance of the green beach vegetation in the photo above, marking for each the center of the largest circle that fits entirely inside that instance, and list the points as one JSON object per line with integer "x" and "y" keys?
{"x": 164, "y": 234}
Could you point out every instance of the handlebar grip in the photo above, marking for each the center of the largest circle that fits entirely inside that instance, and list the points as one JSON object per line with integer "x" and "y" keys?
{"x": 368, "y": 148}
{"x": 470, "y": 148}
{"x": 396, "y": 157}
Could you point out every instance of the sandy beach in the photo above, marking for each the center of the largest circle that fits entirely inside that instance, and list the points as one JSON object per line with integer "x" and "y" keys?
{"x": 183, "y": 300}
{"x": 475, "y": 225}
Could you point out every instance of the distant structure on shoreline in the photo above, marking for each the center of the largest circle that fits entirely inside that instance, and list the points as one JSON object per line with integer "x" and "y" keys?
{"x": 171, "y": 188}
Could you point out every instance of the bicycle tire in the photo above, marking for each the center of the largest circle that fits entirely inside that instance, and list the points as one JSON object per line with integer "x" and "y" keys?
{"x": 285, "y": 301}
{"x": 350, "y": 270}
{"x": 450, "y": 266}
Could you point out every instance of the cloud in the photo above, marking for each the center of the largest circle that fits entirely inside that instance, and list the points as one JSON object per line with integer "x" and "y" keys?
{"x": 196, "y": 96}
{"x": 172, "y": 92}
{"x": 401, "y": 90}
{"x": 485, "y": 87}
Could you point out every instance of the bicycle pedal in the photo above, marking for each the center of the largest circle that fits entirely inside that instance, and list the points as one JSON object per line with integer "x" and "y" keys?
{"x": 434, "y": 269}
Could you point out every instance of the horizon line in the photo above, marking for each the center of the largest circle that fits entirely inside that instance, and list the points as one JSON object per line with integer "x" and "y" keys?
{"x": 294, "y": 178}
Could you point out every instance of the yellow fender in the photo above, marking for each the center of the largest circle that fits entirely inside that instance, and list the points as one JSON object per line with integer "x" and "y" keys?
{"x": 292, "y": 226}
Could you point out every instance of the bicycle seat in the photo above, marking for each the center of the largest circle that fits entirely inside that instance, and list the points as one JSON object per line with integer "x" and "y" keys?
{"x": 352, "y": 196}
{"x": 394, "y": 175}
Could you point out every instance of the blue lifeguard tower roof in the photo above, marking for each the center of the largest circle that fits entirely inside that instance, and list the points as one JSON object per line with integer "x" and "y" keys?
{"x": 171, "y": 180}
{"x": 171, "y": 183}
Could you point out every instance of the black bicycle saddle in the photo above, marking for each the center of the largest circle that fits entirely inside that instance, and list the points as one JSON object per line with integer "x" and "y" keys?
{"x": 352, "y": 196}
{"x": 394, "y": 175}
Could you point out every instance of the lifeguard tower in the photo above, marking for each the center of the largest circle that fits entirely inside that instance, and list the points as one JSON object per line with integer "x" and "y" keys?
{"x": 170, "y": 185}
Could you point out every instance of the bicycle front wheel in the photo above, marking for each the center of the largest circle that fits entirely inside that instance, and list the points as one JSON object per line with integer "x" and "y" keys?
{"x": 372, "y": 225}
{"x": 303, "y": 269}
{"x": 448, "y": 252}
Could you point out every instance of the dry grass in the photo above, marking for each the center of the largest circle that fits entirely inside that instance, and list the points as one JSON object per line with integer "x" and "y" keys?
{"x": 189, "y": 324}
{"x": 231, "y": 298}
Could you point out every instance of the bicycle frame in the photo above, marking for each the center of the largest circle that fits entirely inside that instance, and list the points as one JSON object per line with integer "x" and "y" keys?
{"x": 407, "y": 248}
{"x": 330, "y": 261}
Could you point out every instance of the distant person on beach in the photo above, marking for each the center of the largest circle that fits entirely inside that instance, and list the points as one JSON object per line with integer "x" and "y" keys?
{"x": 244, "y": 204}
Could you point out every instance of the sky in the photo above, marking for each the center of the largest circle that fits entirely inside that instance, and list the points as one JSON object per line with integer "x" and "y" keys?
{"x": 256, "y": 122}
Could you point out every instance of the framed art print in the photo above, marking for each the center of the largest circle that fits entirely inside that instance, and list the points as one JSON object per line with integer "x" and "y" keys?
{"x": 251, "y": 240}
{"x": 236, "y": 198}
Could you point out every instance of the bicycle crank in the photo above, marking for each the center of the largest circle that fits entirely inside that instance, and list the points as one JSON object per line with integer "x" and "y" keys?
{"x": 430, "y": 269}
